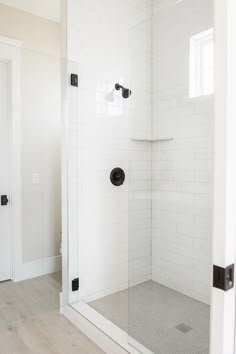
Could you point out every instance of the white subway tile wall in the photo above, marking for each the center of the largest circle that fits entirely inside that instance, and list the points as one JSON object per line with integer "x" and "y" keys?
{"x": 182, "y": 168}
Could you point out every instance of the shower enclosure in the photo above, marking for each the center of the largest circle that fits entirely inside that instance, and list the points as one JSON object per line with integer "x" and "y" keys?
{"x": 141, "y": 139}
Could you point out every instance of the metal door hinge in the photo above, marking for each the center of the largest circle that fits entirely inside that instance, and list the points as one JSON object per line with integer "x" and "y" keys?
{"x": 223, "y": 278}
{"x": 74, "y": 81}
{"x": 75, "y": 284}
{"x": 4, "y": 200}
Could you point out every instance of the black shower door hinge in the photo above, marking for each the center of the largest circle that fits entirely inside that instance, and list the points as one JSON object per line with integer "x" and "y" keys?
{"x": 75, "y": 284}
{"x": 223, "y": 278}
{"x": 74, "y": 80}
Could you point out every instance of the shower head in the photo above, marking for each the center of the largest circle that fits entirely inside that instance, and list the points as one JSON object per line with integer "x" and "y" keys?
{"x": 126, "y": 93}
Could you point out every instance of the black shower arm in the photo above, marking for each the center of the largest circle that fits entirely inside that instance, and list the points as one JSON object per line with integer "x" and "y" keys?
{"x": 118, "y": 87}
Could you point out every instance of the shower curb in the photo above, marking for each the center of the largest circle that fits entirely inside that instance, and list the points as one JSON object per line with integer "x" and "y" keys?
{"x": 99, "y": 337}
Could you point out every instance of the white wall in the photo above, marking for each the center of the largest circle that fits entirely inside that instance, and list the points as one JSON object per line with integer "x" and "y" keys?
{"x": 40, "y": 135}
{"x": 182, "y": 168}
{"x": 41, "y": 217}
{"x": 98, "y": 39}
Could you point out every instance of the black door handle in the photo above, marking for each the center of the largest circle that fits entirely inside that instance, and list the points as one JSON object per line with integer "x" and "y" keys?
{"x": 4, "y": 200}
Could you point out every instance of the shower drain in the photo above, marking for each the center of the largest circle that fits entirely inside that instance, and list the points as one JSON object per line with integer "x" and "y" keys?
{"x": 183, "y": 328}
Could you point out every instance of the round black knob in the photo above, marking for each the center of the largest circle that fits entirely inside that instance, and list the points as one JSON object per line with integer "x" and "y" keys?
{"x": 117, "y": 176}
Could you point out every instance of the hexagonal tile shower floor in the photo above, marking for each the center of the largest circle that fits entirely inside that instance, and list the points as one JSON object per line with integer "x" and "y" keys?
{"x": 163, "y": 320}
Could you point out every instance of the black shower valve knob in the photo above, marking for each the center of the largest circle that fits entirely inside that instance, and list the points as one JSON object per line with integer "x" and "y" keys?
{"x": 117, "y": 176}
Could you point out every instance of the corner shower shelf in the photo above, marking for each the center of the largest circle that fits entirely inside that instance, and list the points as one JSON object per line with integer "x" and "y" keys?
{"x": 152, "y": 140}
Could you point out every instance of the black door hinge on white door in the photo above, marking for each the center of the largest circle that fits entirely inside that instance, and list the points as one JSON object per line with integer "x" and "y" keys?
{"x": 4, "y": 200}
{"x": 74, "y": 80}
{"x": 223, "y": 278}
{"x": 75, "y": 284}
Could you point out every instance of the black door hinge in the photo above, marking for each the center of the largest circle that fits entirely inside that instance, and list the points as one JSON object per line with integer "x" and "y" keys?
{"x": 74, "y": 81}
{"x": 75, "y": 284}
{"x": 4, "y": 200}
{"x": 223, "y": 278}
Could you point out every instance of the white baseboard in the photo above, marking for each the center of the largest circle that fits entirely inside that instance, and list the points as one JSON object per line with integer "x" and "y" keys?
{"x": 38, "y": 268}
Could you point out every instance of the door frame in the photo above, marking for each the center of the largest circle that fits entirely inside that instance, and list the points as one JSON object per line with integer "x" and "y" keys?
{"x": 11, "y": 53}
{"x": 222, "y": 338}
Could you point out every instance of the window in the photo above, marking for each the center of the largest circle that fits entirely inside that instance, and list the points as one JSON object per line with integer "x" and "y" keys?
{"x": 201, "y": 75}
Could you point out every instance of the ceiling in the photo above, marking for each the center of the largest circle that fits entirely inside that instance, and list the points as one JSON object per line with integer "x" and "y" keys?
{"x": 49, "y": 9}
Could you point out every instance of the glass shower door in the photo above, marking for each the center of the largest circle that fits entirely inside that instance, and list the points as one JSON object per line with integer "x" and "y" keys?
{"x": 97, "y": 202}
{"x": 140, "y": 180}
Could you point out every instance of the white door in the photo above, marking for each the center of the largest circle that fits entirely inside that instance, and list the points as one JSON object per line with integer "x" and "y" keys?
{"x": 5, "y": 246}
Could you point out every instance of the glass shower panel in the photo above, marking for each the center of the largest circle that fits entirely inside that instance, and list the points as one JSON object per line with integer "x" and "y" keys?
{"x": 97, "y": 209}
{"x": 170, "y": 222}
{"x": 140, "y": 175}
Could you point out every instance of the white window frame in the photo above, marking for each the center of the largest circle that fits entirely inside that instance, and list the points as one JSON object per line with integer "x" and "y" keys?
{"x": 195, "y": 66}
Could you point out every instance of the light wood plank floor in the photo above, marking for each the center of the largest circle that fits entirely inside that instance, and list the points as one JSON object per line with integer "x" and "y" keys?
{"x": 30, "y": 322}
